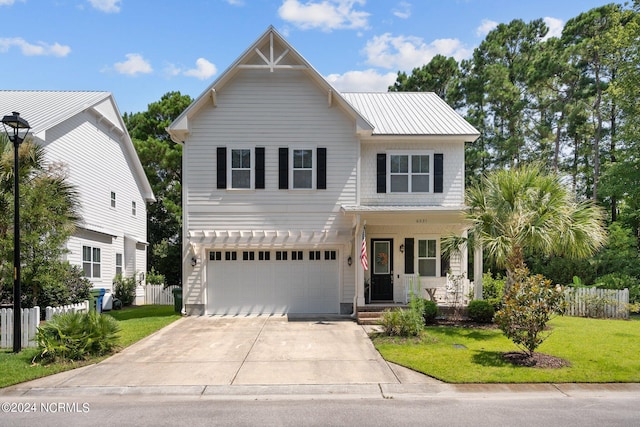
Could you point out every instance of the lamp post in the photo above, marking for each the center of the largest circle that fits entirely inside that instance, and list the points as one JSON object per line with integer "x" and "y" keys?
{"x": 16, "y": 128}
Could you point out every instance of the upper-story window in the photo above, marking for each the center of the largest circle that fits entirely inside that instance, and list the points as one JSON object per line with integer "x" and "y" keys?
{"x": 410, "y": 172}
{"x": 113, "y": 199}
{"x": 302, "y": 168}
{"x": 241, "y": 168}
{"x": 133, "y": 208}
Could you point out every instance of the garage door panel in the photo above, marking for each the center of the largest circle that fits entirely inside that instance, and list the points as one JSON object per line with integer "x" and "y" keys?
{"x": 274, "y": 285}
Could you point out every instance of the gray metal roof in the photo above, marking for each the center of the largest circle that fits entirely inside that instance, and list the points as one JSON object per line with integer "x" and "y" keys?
{"x": 410, "y": 114}
{"x": 45, "y": 109}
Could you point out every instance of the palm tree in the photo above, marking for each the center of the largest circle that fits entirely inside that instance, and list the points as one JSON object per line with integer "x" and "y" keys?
{"x": 49, "y": 208}
{"x": 520, "y": 209}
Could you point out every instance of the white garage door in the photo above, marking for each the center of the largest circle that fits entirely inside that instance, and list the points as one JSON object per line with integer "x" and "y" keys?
{"x": 264, "y": 282}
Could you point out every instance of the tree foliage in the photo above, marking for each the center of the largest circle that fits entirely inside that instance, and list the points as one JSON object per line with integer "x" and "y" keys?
{"x": 162, "y": 161}
{"x": 48, "y": 214}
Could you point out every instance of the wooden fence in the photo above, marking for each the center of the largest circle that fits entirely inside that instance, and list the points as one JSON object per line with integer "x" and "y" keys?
{"x": 52, "y": 311}
{"x": 158, "y": 294}
{"x": 30, "y": 318}
{"x": 602, "y": 303}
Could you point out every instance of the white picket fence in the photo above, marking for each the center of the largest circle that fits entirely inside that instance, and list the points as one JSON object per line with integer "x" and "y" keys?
{"x": 602, "y": 303}
{"x": 30, "y": 320}
{"x": 158, "y": 294}
{"x": 49, "y": 312}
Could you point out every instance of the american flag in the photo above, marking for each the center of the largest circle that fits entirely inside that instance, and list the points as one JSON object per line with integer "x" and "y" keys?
{"x": 363, "y": 251}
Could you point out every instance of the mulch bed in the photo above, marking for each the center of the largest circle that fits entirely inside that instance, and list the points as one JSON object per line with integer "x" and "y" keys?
{"x": 535, "y": 360}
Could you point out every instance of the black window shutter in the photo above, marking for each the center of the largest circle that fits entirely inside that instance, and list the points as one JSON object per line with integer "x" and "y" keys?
{"x": 222, "y": 167}
{"x": 438, "y": 173}
{"x": 283, "y": 168}
{"x": 259, "y": 173}
{"x": 408, "y": 256}
{"x": 381, "y": 173}
{"x": 321, "y": 178}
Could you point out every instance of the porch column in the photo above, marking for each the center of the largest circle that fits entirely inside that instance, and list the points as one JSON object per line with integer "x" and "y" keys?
{"x": 477, "y": 271}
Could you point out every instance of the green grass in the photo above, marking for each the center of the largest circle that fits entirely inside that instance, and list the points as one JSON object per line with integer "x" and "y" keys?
{"x": 598, "y": 350}
{"x": 135, "y": 323}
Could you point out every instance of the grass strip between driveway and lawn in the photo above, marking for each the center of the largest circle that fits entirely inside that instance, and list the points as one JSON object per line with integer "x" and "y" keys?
{"x": 599, "y": 351}
{"x": 135, "y": 323}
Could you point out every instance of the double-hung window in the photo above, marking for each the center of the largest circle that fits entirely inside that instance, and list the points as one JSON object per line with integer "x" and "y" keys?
{"x": 427, "y": 257}
{"x": 91, "y": 261}
{"x": 119, "y": 264}
{"x": 241, "y": 168}
{"x": 302, "y": 168}
{"x": 410, "y": 172}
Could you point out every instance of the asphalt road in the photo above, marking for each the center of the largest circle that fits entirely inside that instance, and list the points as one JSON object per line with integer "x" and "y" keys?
{"x": 617, "y": 410}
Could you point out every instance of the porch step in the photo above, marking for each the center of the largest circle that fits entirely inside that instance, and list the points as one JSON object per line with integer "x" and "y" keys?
{"x": 371, "y": 314}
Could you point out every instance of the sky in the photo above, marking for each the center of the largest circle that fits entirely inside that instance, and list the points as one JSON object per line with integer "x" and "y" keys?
{"x": 140, "y": 50}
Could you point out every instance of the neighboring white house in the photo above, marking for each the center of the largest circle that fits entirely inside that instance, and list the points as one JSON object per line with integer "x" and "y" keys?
{"x": 281, "y": 173}
{"x": 85, "y": 132}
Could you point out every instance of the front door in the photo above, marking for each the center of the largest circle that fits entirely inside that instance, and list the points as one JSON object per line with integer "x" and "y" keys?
{"x": 382, "y": 272}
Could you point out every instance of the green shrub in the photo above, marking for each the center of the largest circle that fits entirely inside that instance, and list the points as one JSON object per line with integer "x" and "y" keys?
{"x": 403, "y": 323}
{"x": 528, "y": 306}
{"x": 492, "y": 287}
{"x": 155, "y": 278}
{"x": 125, "y": 289}
{"x": 481, "y": 311}
{"x": 619, "y": 281}
{"x": 76, "y": 336}
{"x": 429, "y": 311}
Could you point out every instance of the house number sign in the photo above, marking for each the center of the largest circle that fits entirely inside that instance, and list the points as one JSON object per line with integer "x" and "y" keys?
{"x": 421, "y": 221}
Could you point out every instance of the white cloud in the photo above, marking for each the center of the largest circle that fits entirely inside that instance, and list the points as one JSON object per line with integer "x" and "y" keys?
{"x": 403, "y": 10}
{"x": 7, "y": 2}
{"x": 485, "y": 26}
{"x": 236, "y": 2}
{"x": 39, "y": 49}
{"x": 555, "y": 27}
{"x": 362, "y": 81}
{"x": 204, "y": 69}
{"x": 135, "y": 64}
{"x": 171, "y": 70}
{"x": 326, "y": 15}
{"x": 108, "y": 6}
{"x": 408, "y": 52}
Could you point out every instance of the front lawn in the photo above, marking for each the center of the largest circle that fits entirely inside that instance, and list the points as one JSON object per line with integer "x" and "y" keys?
{"x": 598, "y": 350}
{"x": 135, "y": 323}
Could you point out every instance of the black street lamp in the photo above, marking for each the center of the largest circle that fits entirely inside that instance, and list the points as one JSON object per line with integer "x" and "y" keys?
{"x": 20, "y": 129}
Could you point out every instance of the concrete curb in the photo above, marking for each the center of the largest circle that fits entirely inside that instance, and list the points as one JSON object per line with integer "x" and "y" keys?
{"x": 342, "y": 391}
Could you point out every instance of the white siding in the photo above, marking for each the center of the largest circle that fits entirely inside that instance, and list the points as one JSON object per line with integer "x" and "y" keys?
{"x": 97, "y": 164}
{"x": 453, "y": 180}
{"x": 271, "y": 110}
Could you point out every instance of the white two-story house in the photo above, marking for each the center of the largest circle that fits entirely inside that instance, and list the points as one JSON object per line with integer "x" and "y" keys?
{"x": 84, "y": 133}
{"x": 283, "y": 177}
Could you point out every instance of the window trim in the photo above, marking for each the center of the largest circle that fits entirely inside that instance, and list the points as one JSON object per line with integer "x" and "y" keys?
{"x": 409, "y": 174}
{"x": 251, "y": 168}
{"x": 91, "y": 262}
{"x": 313, "y": 170}
{"x": 436, "y": 258}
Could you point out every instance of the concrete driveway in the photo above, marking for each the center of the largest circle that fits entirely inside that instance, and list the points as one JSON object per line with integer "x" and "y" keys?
{"x": 270, "y": 350}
